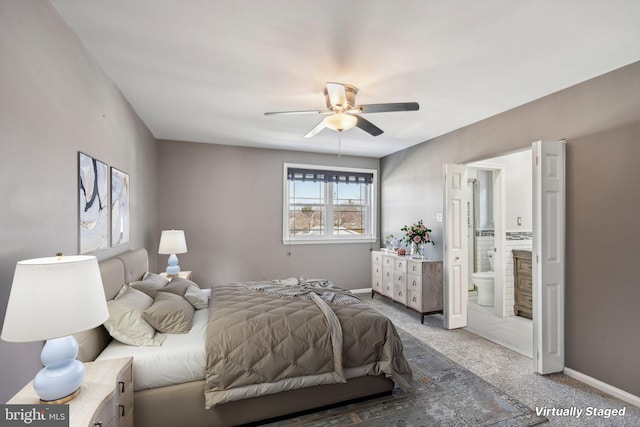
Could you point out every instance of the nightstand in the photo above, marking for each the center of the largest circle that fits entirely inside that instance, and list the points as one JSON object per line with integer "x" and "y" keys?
{"x": 184, "y": 274}
{"x": 105, "y": 399}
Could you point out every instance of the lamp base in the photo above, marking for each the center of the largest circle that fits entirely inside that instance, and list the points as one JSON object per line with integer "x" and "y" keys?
{"x": 62, "y": 375}
{"x": 173, "y": 269}
{"x": 62, "y": 400}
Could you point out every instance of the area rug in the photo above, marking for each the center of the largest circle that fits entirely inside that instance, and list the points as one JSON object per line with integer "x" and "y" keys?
{"x": 444, "y": 394}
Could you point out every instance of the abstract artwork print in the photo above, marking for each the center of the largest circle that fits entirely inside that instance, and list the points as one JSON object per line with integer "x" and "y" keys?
{"x": 93, "y": 204}
{"x": 119, "y": 207}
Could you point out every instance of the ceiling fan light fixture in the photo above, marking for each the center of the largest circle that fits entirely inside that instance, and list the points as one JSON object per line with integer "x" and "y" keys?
{"x": 340, "y": 121}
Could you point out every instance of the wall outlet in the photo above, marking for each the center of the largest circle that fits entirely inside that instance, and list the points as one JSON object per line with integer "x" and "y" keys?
{"x": 439, "y": 217}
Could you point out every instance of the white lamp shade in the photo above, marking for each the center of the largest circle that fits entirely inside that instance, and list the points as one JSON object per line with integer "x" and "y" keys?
{"x": 340, "y": 121}
{"x": 54, "y": 297}
{"x": 172, "y": 242}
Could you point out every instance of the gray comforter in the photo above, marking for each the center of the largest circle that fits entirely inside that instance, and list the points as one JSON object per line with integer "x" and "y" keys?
{"x": 259, "y": 343}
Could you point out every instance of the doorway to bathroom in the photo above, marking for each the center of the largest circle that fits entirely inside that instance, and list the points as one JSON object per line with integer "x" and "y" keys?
{"x": 499, "y": 220}
{"x": 548, "y": 254}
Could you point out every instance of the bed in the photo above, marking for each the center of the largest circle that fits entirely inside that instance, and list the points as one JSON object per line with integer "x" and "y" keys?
{"x": 186, "y": 396}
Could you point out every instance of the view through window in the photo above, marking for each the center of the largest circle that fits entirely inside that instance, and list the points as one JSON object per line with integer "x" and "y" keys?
{"x": 326, "y": 204}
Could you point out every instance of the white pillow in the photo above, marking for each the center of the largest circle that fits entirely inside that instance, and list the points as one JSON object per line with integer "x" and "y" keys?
{"x": 197, "y": 297}
{"x": 126, "y": 323}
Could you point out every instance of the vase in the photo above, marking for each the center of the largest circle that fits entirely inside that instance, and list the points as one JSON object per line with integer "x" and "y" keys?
{"x": 417, "y": 250}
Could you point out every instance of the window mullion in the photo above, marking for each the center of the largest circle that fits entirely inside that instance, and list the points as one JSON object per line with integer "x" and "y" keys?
{"x": 329, "y": 205}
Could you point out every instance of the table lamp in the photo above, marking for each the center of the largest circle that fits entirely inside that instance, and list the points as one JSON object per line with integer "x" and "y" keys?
{"x": 172, "y": 242}
{"x": 50, "y": 299}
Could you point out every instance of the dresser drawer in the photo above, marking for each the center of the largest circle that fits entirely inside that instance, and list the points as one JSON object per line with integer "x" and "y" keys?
{"x": 414, "y": 283}
{"x": 414, "y": 268}
{"x": 376, "y": 258}
{"x": 400, "y": 294}
{"x": 376, "y": 271}
{"x": 400, "y": 264}
{"x": 376, "y": 278}
{"x": 387, "y": 289}
{"x": 400, "y": 278}
{"x": 414, "y": 299}
{"x": 387, "y": 261}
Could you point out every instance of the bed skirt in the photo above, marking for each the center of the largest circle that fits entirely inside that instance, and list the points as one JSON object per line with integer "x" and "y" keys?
{"x": 183, "y": 404}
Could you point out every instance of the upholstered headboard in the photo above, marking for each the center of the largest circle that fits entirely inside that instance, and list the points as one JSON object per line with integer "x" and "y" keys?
{"x": 115, "y": 272}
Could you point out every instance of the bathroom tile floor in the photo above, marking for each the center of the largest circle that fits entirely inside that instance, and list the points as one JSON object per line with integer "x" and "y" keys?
{"x": 513, "y": 332}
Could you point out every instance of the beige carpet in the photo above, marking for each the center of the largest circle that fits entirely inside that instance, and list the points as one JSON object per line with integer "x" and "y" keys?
{"x": 511, "y": 372}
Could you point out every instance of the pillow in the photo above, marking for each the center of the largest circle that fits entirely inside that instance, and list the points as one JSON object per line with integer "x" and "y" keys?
{"x": 126, "y": 323}
{"x": 193, "y": 293}
{"x": 176, "y": 286}
{"x": 150, "y": 284}
{"x": 197, "y": 297}
{"x": 170, "y": 314}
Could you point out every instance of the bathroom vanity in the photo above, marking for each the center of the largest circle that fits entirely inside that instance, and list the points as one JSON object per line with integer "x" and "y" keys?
{"x": 522, "y": 277}
{"x": 415, "y": 283}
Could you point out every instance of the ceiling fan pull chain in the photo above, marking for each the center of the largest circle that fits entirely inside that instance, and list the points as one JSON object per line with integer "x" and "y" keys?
{"x": 339, "y": 144}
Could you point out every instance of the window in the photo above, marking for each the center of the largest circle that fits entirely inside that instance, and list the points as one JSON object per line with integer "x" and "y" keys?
{"x": 326, "y": 205}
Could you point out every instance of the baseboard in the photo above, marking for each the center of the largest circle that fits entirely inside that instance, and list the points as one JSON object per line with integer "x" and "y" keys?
{"x": 361, "y": 291}
{"x": 609, "y": 389}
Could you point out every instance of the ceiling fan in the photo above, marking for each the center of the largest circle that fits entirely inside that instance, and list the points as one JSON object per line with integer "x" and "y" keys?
{"x": 343, "y": 113}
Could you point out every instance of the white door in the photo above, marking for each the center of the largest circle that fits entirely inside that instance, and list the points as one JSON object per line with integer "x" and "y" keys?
{"x": 548, "y": 255}
{"x": 455, "y": 246}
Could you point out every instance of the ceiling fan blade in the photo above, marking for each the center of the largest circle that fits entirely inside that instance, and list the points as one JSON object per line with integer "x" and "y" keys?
{"x": 313, "y": 132}
{"x": 337, "y": 95}
{"x": 386, "y": 108}
{"x": 271, "y": 113}
{"x": 368, "y": 127}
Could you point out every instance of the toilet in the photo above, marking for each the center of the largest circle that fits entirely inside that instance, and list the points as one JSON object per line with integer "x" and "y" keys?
{"x": 484, "y": 281}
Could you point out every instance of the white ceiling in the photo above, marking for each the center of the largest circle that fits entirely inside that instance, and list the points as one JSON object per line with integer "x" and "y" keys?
{"x": 207, "y": 70}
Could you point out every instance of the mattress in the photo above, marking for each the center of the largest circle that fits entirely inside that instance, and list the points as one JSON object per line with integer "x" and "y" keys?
{"x": 180, "y": 359}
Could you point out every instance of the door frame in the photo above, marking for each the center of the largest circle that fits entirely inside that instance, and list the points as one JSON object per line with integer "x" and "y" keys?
{"x": 548, "y": 299}
{"x": 499, "y": 213}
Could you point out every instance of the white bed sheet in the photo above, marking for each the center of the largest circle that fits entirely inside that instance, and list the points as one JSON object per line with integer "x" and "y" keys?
{"x": 180, "y": 359}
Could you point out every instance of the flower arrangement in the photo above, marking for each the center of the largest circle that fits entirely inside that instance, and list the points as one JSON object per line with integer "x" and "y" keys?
{"x": 417, "y": 233}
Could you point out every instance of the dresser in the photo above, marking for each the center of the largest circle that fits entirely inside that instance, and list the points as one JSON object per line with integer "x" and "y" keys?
{"x": 522, "y": 283}
{"x": 105, "y": 399}
{"x": 414, "y": 283}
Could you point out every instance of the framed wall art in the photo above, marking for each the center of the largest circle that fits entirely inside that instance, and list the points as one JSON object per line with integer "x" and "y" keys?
{"x": 93, "y": 204}
{"x": 120, "y": 191}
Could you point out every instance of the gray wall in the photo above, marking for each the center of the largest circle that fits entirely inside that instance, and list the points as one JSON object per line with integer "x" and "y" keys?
{"x": 600, "y": 119}
{"x": 229, "y": 202}
{"x": 55, "y": 101}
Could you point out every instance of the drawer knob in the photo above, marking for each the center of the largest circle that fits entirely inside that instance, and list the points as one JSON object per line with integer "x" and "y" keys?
{"x": 121, "y": 386}
{"x": 121, "y": 410}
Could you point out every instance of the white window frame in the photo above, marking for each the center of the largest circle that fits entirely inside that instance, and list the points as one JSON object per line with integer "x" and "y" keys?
{"x": 370, "y": 220}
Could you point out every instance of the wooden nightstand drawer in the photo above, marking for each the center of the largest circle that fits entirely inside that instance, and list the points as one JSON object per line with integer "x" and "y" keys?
{"x": 107, "y": 416}
{"x": 125, "y": 397}
{"x": 107, "y": 389}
